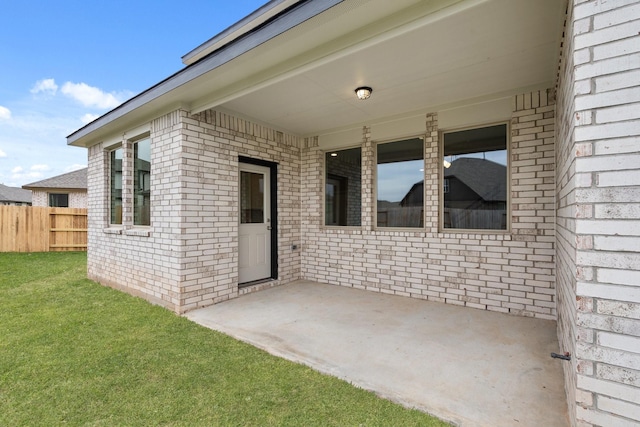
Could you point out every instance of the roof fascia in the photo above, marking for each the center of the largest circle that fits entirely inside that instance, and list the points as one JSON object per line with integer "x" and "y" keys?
{"x": 242, "y": 27}
{"x": 290, "y": 18}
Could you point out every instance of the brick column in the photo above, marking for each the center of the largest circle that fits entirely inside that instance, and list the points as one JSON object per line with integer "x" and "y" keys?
{"x": 432, "y": 166}
{"x": 368, "y": 184}
{"x": 599, "y": 211}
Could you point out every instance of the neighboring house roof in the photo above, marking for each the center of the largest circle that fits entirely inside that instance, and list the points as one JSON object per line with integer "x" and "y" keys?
{"x": 14, "y": 194}
{"x": 76, "y": 180}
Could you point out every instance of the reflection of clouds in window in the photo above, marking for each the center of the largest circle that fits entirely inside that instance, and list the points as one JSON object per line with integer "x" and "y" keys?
{"x": 498, "y": 156}
{"x": 396, "y": 179}
{"x": 400, "y": 177}
{"x": 143, "y": 150}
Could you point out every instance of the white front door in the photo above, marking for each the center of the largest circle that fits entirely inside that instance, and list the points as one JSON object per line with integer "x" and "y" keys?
{"x": 255, "y": 223}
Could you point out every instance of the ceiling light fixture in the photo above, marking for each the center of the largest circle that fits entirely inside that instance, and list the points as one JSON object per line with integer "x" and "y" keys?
{"x": 446, "y": 164}
{"x": 334, "y": 154}
{"x": 363, "y": 92}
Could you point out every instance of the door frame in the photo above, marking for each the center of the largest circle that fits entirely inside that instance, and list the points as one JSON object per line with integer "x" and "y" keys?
{"x": 273, "y": 187}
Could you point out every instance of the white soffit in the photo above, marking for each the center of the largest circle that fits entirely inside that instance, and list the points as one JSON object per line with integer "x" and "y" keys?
{"x": 469, "y": 50}
{"x": 416, "y": 54}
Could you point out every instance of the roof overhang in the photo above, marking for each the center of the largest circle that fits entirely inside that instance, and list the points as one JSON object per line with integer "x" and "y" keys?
{"x": 296, "y": 68}
{"x": 241, "y": 28}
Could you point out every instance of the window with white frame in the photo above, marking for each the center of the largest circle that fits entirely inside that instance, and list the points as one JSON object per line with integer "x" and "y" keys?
{"x": 115, "y": 186}
{"x": 142, "y": 182}
{"x": 400, "y": 183}
{"x": 343, "y": 187}
{"x": 475, "y": 174}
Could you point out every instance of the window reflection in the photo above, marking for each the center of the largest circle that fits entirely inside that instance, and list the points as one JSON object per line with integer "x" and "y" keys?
{"x": 343, "y": 183}
{"x": 115, "y": 158}
{"x": 251, "y": 197}
{"x": 400, "y": 184}
{"x": 142, "y": 182}
{"x": 475, "y": 178}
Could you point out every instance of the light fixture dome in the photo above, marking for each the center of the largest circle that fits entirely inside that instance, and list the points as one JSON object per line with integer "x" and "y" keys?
{"x": 363, "y": 92}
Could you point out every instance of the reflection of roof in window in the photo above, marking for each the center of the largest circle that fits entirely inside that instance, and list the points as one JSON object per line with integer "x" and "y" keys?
{"x": 488, "y": 179}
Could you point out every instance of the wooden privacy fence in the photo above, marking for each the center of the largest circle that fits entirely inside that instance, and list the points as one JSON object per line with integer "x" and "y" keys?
{"x": 40, "y": 229}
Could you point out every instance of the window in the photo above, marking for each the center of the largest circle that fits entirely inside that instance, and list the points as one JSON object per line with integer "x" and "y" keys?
{"x": 115, "y": 166}
{"x": 252, "y": 200}
{"x": 343, "y": 184}
{"x": 142, "y": 182}
{"x": 57, "y": 200}
{"x": 400, "y": 184}
{"x": 475, "y": 170}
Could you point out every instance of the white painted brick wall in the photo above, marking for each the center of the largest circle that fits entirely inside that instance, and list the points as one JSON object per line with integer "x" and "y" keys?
{"x": 188, "y": 257}
{"x": 598, "y": 183}
{"x": 77, "y": 199}
{"x": 39, "y": 198}
{"x": 507, "y": 272}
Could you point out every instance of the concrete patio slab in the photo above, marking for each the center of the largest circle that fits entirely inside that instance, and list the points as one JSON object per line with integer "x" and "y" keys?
{"x": 466, "y": 366}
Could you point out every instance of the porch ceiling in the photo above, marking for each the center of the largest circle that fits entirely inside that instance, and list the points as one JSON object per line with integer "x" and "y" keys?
{"x": 298, "y": 72}
{"x": 427, "y": 57}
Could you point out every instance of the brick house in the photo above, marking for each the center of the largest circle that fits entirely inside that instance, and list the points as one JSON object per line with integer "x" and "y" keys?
{"x": 68, "y": 190}
{"x": 14, "y": 196}
{"x": 256, "y": 165}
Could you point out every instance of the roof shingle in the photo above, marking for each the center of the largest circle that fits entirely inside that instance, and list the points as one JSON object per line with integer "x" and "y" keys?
{"x": 71, "y": 181}
{"x": 14, "y": 194}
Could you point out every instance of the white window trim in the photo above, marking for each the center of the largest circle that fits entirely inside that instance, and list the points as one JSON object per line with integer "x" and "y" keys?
{"x": 111, "y": 225}
{"x": 131, "y": 191}
{"x": 125, "y": 228}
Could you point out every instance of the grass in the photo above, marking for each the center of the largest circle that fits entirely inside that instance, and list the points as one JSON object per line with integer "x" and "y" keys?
{"x": 73, "y": 352}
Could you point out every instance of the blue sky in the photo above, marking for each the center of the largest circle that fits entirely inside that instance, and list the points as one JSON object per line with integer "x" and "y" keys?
{"x": 63, "y": 63}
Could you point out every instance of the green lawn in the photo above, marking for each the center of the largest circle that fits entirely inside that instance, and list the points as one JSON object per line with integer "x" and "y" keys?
{"x": 73, "y": 352}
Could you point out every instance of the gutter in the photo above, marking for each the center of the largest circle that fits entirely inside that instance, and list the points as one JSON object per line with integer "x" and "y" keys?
{"x": 240, "y": 28}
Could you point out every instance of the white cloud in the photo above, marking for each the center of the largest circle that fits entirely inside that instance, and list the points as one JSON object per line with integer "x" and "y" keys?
{"x": 47, "y": 86}
{"x": 35, "y": 173}
{"x": 40, "y": 168}
{"x": 27, "y": 177}
{"x": 90, "y": 96}
{"x": 88, "y": 118}
{"x": 74, "y": 167}
{"x": 37, "y": 130}
{"x": 2, "y": 154}
{"x": 5, "y": 113}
